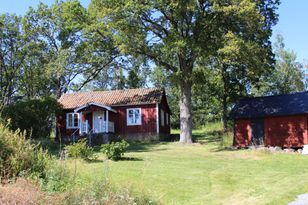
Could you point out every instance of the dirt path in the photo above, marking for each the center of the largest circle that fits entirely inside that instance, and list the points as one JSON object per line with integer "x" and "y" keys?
{"x": 22, "y": 192}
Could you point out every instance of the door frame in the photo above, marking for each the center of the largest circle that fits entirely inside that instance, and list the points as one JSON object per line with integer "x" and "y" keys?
{"x": 257, "y": 124}
{"x": 94, "y": 115}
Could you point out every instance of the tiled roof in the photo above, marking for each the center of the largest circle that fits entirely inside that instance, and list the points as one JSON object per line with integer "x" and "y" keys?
{"x": 112, "y": 98}
{"x": 277, "y": 105}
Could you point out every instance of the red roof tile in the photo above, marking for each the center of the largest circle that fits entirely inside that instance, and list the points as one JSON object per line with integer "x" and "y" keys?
{"x": 112, "y": 98}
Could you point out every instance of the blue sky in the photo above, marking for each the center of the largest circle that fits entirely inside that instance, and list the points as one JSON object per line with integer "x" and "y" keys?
{"x": 293, "y": 21}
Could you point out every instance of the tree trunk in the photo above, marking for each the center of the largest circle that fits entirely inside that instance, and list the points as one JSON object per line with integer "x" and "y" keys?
{"x": 185, "y": 114}
{"x": 185, "y": 103}
{"x": 224, "y": 99}
{"x": 224, "y": 113}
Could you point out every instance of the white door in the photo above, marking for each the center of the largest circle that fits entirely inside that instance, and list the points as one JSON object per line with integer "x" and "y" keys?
{"x": 98, "y": 121}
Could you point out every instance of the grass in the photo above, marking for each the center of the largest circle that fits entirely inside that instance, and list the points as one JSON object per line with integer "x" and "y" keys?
{"x": 202, "y": 173}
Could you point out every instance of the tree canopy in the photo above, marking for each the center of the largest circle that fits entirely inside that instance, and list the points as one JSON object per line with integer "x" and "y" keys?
{"x": 176, "y": 34}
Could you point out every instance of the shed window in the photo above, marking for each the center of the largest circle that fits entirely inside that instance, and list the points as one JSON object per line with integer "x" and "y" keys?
{"x": 72, "y": 120}
{"x": 134, "y": 116}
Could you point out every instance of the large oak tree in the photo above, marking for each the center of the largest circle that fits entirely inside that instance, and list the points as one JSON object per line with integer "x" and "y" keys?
{"x": 174, "y": 34}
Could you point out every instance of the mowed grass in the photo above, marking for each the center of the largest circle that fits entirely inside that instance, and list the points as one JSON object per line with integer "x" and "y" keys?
{"x": 202, "y": 173}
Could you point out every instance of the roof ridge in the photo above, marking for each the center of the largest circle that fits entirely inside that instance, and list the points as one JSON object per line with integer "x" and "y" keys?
{"x": 270, "y": 96}
{"x": 102, "y": 91}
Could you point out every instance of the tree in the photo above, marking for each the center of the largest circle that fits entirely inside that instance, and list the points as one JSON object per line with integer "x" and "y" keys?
{"x": 287, "y": 76}
{"x": 305, "y": 71}
{"x": 75, "y": 50}
{"x": 174, "y": 34}
{"x": 12, "y": 56}
{"x": 240, "y": 63}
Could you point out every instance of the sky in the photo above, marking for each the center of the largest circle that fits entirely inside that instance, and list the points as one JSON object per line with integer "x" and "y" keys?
{"x": 292, "y": 25}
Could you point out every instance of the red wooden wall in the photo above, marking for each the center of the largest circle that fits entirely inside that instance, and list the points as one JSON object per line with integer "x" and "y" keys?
{"x": 283, "y": 131}
{"x": 61, "y": 125}
{"x": 289, "y": 131}
{"x": 242, "y": 133}
{"x": 148, "y": 120}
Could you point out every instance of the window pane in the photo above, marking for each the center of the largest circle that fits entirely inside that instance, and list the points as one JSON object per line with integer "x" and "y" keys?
{"x": 75, "y": 120}
{"x": 70, "y": 120}
{"x": 130, "y": 119}
{"x": 137, "y": 116}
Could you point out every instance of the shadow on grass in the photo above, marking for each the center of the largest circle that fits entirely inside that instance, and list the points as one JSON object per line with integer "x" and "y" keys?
{"x": 223, "y": 149}
{"x": 145, "y": 147}
{"x": 130, "y": 159}
{"x": 92, "y": 161}
{"x": 209, "y": 137}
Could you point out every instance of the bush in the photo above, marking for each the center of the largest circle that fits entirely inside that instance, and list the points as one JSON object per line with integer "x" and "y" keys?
{"x": 80, "y": 149}
{"x": 58, "y": 178}
{"x": 34, "y": 116}
{"x": 19, "y": 157}
{"x": 115, "y": 150}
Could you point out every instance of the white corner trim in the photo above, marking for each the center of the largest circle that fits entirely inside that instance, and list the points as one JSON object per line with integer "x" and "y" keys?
{"x": 157, "y": 118}
{"x": 107, "y": 121}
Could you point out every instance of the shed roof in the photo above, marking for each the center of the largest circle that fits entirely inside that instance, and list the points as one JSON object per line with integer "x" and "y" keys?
{"x": 113, "y": 97}
{"x": 276, "y": 105}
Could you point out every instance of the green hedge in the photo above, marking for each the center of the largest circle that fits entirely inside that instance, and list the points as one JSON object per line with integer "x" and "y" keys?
{"x": 36, "y": 116}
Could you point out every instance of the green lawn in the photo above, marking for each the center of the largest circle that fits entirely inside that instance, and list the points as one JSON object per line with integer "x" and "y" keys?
{"x": 203, "y": 173}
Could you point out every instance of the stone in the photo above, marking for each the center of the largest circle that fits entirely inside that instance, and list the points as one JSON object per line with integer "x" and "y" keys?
{"x": 252, "y": 147}
{"x": 277, "y": 149}
{"x": 305, "y": 150}
{"x": 289, "y": 150}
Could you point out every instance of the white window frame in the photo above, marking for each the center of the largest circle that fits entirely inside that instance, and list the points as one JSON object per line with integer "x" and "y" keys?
{"x": 162, "y": 117}
{"x": 127, "y": 117}
{"x": 67, "y": 118}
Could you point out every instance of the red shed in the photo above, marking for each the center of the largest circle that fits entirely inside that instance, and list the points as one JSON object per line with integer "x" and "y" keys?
{"x": 279, "y": 120}
{"x": 132, "y": 113}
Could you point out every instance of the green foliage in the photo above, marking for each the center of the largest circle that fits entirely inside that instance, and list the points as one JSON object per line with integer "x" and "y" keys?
{"x": 12, "y": 52}
{"x": 173, "y": 36}
{"x": 58, "y": 178}
{"x": 115, "y": 150}
{"x": 19, "y": 157}
{"x": 34, "y": 116}
{"x": 80, "y": 149}
{"x": 133, "y": 80}
{"x": 287, "y": 75}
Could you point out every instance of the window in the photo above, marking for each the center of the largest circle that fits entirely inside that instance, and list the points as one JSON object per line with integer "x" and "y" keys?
{"x": 72, "y": 120}
{"x": 167, "y": 119}
{"x": 162, "y": 118}
{"x": 134, "y": 116}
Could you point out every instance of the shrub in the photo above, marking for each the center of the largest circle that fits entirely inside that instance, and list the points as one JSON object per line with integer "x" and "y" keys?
{"x": 115, "y": 150}
{"x": 19, "y": 157}
{"x": 80, "y": 149}
{"x": 58, "y": 178}
{"x": 35, "y": 116}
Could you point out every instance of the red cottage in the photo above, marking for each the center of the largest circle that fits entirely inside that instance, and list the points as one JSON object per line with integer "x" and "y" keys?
{"x": 132, "y": 113}
{"x": 279, "y": 120}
